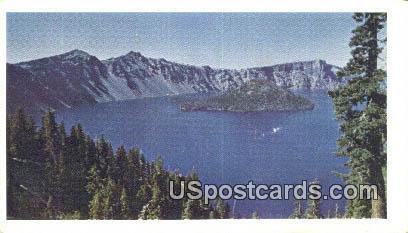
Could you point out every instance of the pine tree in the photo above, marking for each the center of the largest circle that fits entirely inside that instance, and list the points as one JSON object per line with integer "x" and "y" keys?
{"x": 143, "y": 214}
{"x": 176, "y": 206}
{"x": 298, "y": 212}
{"x": 336, "y": 212}
{"x": 51, "y": 149}
{"x": 329, "y": 214}
{"x": 77, "y": 197}
{"x": 158, "y": 205}
{"x": 96, "y": 206}
{"x": 121, "y": 167}
{"x": 50, "y": 138}
{"x": 142, "y": 198}
{"x": 313, "y": 210}
{"x": 133, "y": 182}
{"x": 313, "y": 206}
{"x": 95, "y": 189}
{"x": 90, "y": 154}
{"x": 49, "y": 210}
{"x": 21, "y": 141}
{"x": 211, "y": 215}
{"x": 188, "y": 211}
{"x": 255, "y": 215}
{"x": 62, "y": 135}
{"x": 124, "y": 206}
{"x": 196, "y": 209}
{"x": 60, "y": 179}
{"x": 361, "y": 107}
{"x": 222, "y": 209}
{"x": 109, "y": 202}
{"x": 105, "y": 157}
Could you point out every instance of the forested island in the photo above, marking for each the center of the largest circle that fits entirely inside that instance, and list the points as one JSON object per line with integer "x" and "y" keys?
{"x": 258, "y": 95}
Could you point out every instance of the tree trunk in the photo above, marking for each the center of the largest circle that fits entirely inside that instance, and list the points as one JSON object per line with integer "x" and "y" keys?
{"x": 373, "y": 45}
{"x": 379, "y": 206}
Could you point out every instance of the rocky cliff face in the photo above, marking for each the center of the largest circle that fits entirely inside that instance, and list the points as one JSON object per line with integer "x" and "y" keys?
{"x": 76, "y": 78}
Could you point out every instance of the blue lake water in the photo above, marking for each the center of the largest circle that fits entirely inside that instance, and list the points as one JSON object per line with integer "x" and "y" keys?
{"x": 226, "y": 148}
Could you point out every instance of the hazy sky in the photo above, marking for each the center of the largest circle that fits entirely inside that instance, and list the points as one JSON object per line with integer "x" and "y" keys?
{"x": 228, "y": 40}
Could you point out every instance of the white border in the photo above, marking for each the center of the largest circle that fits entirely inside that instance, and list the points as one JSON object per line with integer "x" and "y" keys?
{"x": 397, "y": 64}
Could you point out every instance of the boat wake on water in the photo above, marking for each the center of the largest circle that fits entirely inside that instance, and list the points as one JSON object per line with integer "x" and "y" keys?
{"x": 258, "y": 134}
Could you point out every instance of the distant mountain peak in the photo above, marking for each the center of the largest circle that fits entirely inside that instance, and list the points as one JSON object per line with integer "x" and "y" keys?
{"x": 319, "y": 60}
{"x": 313, "y": 61}
{"x": 134, "y": 54}
{"x": 76, "y": 53}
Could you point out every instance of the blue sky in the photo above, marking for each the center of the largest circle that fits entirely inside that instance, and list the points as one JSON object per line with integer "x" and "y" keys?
{"x": 227, "y": 40}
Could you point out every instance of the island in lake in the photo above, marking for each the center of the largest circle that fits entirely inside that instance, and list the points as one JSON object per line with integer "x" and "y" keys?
{"x": 258, "y": 95}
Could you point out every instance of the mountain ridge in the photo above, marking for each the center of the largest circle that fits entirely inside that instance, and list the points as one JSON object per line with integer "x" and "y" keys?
{"x": 75, "y": 78}
{"x": 79, "y": 51}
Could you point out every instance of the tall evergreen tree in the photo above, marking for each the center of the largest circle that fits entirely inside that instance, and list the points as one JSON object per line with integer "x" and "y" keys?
{"x": 159, "y": 201}
{"x": 109, "y": 200}
{"x": 255, "y": 215}
{"x": 143, "y": 196}
{"x": 77, "y": 197}
{"x": 133, "y": 182}
{"x": 124, "y": 206}
{"x": 361, "y": 107}
{"x": 51, "y": 149}
{"x": 21, "y": 138}
{"x": 313, "y": 206}
{"x": 121, "y": 166}
{"x": 176, "y": 206}
{"x": 50, "y": 138}
{"x": 298, "y": 212}
{"x": 96, "y": 206}
{"x": 191, "y": 208}
{"x": 336, "y": 212}
{"x": 313, "y": 209}
{"x": 49, "y": 211}
{"x": 90, "y": 154}
{"x": 95, "y": 188}
{"x": 222, "y": 209}
{"x": 196, "y": 209}
{"x": 104, "y": 153}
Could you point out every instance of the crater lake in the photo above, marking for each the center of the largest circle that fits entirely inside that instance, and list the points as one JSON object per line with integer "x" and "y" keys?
{"x": 227, "y": 148}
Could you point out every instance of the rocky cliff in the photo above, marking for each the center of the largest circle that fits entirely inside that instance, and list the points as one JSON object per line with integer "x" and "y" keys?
{"x": 76, "y": 78}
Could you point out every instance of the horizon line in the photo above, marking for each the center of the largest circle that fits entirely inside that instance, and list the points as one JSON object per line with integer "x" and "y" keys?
{"x": 162, "y": 58}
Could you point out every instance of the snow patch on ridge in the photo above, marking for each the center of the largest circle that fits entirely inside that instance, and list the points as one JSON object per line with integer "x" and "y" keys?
{"x": 118, "y": 88}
